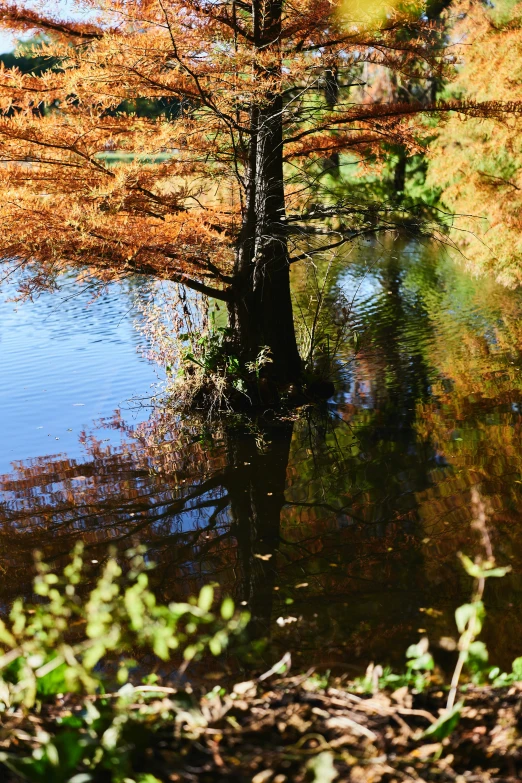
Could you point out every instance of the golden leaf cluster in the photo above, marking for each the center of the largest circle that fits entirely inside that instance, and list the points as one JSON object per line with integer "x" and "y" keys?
{"x": 89, "y": 184}
{"x": 479, "y": 162}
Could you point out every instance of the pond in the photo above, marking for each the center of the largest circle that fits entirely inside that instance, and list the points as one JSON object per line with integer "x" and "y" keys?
{"x": 339, "y": 529}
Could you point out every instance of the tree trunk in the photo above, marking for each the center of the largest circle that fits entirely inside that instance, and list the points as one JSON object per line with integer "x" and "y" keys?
{"x": 262, "y": 317}
{"x": 261, "y": 313}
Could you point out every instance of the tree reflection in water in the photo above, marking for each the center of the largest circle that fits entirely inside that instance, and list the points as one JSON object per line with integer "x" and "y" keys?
{"x": 347, "y": 519}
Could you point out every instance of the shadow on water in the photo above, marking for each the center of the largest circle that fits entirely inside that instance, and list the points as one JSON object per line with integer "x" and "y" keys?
{"x": 338, "y": 529}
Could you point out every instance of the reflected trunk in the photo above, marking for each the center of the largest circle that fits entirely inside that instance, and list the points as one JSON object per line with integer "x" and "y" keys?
{"x": 257, "y": 496}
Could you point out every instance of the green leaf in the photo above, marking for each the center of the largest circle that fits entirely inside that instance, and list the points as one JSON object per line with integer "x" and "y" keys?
{"x": 54, "y": 682}
{"x": 470, "y": 567}
{"x": 93, "y": 654}
{"x": 424, "y": 662}
{"x": 321, "y": 769}
{"x": 517, "y": 668}
{"x": 215, "y": 645}
{"x": 482, "y": 571}
{"x": 71, "y": 747}
{"x": 443, "y": 727}
{"x": 206, "y": 598}
{"x": 190, "y": 652}
{"x": 415, "y": 651}
{"x": 6, "y": 637}
{"x": 500, "y": 571}
{"x": 227, "y": 609}
{"x": 122, "y": 675}
{"x": 160, "y": 645}
{"x": 465, "y": 613}
{"x": 478, "y": 654}
{"x": 70, "y": 721}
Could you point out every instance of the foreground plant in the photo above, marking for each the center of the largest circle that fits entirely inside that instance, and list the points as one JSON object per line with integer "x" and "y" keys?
{"x": 72, "y": 646}
{"x": 59, "y": 644}
{"x": 75, "y": 708}
{"x": 473, "y": 656}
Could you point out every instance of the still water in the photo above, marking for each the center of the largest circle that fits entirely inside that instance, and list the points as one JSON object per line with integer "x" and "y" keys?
{"x": 66, "y": 359}
{"x": 339, "y": 530}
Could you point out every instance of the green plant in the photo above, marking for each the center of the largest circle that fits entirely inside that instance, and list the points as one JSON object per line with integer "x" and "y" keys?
{"x": 263, "y": 358}
{"x": 100, "y": 740}
{"x": 419, "y": 668}
{"x": 500, "y": 679}
{"x": 473, "y": 655}
{"x": 60, "y": 644}
{"x": 77, "y": 649}
{"x": 212, "y": 351}
{"x": 469, "y": 619}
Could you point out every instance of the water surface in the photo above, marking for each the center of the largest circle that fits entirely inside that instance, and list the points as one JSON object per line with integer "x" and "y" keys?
{"x": 66, "y": 359}
{"x": 340, "y": 530}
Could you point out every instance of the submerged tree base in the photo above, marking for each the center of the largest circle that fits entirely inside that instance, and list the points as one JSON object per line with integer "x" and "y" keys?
{"x": 291, "y": 730}
{"x": 217, "y": 393}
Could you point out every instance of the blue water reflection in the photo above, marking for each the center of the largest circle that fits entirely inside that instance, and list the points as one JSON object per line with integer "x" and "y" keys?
{"x": 65, "y": 361}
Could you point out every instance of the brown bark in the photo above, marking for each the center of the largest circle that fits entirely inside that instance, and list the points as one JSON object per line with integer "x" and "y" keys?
{"x": 261, "y": 312}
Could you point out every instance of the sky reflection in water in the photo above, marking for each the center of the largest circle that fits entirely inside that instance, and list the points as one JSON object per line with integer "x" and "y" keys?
{"x": 65, "y": 360}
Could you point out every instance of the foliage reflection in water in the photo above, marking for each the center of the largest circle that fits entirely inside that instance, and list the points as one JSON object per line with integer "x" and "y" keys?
{"x": 340, "y": 529}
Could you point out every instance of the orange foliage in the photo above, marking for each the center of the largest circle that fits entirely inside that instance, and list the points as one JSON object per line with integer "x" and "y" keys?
{"x": 176, "y": 206}
{"x": 478, "y": 163}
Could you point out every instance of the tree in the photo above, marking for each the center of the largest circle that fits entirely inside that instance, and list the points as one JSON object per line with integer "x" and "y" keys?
{"x": 479, "y": 164}
{"x": 224, "y": 207}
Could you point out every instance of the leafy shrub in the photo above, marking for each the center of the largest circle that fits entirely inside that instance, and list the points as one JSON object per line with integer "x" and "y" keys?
{"x": 59, "y": 645}
{"x": 72, "y": 650}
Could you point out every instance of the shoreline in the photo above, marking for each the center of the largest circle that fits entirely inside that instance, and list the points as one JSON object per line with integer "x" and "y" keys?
{"x": 293, "y": 730}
